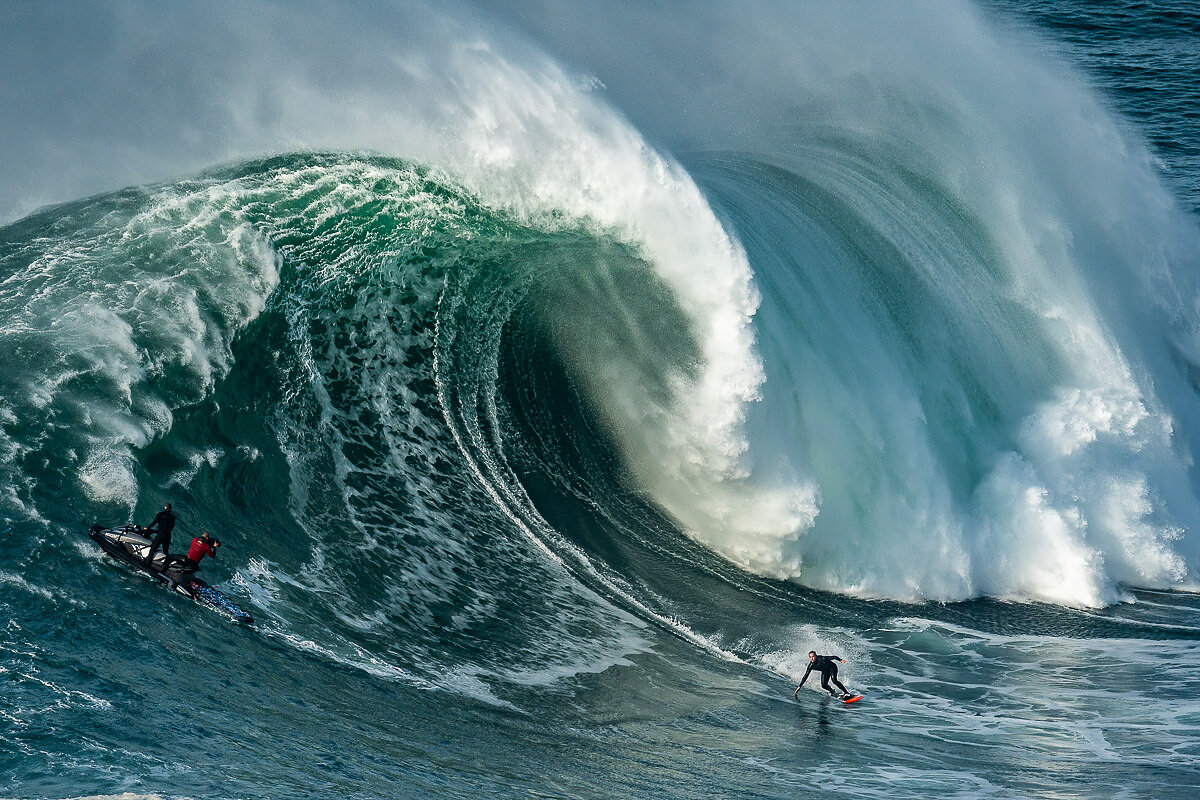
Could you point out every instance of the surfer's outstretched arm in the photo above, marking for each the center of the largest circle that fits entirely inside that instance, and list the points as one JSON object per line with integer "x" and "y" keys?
{"x": 802, "y": 680}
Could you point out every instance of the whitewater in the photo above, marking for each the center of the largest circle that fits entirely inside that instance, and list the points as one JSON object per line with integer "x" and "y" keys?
{"x": 557, "y": 378}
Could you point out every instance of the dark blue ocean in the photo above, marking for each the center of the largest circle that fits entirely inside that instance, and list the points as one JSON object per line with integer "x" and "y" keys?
{"x": 556, "y": 376}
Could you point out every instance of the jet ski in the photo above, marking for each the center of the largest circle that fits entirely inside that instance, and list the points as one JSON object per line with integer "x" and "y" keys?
{"x": 130, "y": 544}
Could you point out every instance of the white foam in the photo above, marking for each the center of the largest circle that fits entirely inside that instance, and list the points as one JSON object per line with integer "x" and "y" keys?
{"x": 118, "y": 318}
{"x": 22, "y": 583}
{"x": 108, "y": 477}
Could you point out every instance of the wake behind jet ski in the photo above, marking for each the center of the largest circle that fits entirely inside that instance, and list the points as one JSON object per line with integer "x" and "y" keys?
{"x": 131, "y": 545}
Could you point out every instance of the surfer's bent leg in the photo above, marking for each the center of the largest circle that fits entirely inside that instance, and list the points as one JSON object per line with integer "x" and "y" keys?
{"x": 836, "y": 682}
{"x": 826, "y": 677}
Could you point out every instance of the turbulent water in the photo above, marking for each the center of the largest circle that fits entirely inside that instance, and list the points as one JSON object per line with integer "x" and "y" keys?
{"x": 556, "y": 380}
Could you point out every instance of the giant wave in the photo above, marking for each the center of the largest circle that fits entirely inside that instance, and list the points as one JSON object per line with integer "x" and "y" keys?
{"x": 935, "y": 354}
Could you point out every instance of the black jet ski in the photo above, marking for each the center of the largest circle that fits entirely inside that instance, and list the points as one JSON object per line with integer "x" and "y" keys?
{"x": 130, "y": 544}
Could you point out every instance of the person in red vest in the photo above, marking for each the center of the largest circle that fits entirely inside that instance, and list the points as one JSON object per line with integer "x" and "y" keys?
{"x": 203, "y": 545}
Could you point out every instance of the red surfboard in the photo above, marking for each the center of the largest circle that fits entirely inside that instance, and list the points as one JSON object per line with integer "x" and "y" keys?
{"x": 854, "y": 698}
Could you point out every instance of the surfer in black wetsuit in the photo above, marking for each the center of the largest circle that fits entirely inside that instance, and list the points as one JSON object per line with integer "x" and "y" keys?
{"x": 827, "y": 666}
{"x": 164, "y": 523}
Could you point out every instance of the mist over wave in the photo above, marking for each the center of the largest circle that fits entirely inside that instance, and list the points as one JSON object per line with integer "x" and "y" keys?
{"x": 893, "y": 314}
{"x": 978, "y": 300}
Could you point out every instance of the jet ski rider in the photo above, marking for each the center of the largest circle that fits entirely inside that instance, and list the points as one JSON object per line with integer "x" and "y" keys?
{"x": 203, "y": 545}
{"x": 163, "y": 524}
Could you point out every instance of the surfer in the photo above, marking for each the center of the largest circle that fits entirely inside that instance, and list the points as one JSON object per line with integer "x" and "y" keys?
{"x": 827, "y": 666}
{"x": 163, "y": 524}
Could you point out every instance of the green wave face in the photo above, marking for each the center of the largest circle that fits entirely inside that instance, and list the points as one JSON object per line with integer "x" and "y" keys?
{"x": 340, "y": 364}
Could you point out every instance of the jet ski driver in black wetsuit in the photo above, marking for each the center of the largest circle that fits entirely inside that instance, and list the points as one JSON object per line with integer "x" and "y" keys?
{"x": 163, "y": 524}
{"x": 828, "y": 668}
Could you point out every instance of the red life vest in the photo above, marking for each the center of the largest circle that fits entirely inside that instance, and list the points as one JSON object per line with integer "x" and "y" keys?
{"x": 199, "y": 549}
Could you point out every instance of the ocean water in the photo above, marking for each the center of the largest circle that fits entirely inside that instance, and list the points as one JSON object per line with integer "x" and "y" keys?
{"x": 556, "y": 377}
